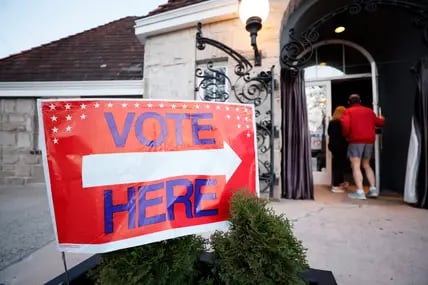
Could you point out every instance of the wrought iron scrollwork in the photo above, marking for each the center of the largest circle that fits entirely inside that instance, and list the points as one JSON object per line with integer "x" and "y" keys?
{"x": 299, "y": 50}
{"x": 247, "y": 88}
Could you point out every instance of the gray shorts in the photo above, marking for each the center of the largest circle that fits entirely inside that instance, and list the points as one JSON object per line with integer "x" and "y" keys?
{"x": 360, "y": 150}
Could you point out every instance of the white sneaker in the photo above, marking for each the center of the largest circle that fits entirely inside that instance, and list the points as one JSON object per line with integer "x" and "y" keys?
{"x": 337, "y": 189}
{"x": 373, "y": 193}
{"x": 359, "y": 194}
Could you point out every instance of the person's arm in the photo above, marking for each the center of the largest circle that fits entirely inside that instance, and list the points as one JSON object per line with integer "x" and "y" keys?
{"x": 379, "y": 121}
{"x": 346, "y": 123}
{"x": 329, "y": 130}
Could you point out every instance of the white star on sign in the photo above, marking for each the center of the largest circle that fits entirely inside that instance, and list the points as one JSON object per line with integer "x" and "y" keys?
{"x": 68, "y": 128}
{"x": 218, "y": 107}
{"x": 53, "y": 118}
{"x": 83, "y": 106}
{"x": 227, "y": 108}
{"x": 248, "y": 135}
{"x": 239, "y": 126}
{"x": 137, "y": 105}
{"x": 54, "y": 129}
{"x": 207, "y": 106}
{"x": 68, "y": 117}
{"x": 124, "y": 105}
{"x": 161, "y": 105}
{"x": 52, "y": 106}
{"x": 197, "y": 106}
{"x": 55, "y": 141}
{"x": 150, "y": 105}
{"x": 228, "y": 116}
{"x": 184, "y": 106}
{"x": 248, "y": 126}
{"x": 237, "y": 109}
{"x": 238, "y": 118}
{"x": 67, "y": 106}
{"x": 83, "y": 116}
{"x": 97, "y": 105}
{"x": 110, "y": 105}
{"x": 173, "y": 106}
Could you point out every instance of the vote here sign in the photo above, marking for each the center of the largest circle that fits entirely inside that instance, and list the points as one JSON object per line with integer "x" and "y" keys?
{"x": 121, "y": 173}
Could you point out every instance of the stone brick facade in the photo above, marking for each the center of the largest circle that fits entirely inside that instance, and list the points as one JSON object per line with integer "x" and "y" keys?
{"x": 20, "y": 159}
{"x": 171, "y": 58}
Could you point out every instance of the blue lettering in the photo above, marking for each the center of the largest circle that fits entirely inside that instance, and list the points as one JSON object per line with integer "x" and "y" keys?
{"x": 139, "y": 129}
{"x": 171, "y": 199}
{"x": 119, "y": 139}
{"x": 207, "y": 196}
{"x": 110, "y": 209}
{"x": 178, "y": 125}
{"x": 143, "y": 204}
{"x": 196, "y": 128}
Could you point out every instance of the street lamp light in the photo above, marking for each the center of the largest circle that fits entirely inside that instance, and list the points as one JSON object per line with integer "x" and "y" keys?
{"x": 253, "y": 13}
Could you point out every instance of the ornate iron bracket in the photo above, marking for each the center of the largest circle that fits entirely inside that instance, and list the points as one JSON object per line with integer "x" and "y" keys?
{"x": 292, "y": 56}
{"x": 247, "y": 88}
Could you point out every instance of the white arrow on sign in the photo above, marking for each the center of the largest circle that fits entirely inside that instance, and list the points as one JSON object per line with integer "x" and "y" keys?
{"x": 133, "y": 167}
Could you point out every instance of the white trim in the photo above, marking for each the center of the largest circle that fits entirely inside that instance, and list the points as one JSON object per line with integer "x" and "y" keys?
{"x": 143, "y": 239}
{"x": 350, "y": 76}
{"x": 71, "y": 88}
{"x": 188, "y": 16}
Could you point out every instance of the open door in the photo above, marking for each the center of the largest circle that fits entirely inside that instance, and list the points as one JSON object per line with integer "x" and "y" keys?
{"x": 318, "y": 100}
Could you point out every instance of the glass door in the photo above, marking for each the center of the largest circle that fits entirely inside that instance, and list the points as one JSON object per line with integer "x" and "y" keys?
{"x": 318, "y": 102}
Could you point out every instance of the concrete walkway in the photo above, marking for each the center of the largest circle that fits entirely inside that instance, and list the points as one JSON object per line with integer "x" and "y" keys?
{"x": 382, "y": 241}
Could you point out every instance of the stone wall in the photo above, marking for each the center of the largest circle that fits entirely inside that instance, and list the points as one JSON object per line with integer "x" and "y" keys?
{"x": 20, "y": 159}
{"x": 171, "y": 58}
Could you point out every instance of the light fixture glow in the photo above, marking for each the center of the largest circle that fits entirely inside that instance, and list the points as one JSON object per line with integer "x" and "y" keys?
{"x": 323, "y": 63}
{"x": 253, "y": 13}
{"x": 253, "y": 8}
{"x": 339, "y": 29}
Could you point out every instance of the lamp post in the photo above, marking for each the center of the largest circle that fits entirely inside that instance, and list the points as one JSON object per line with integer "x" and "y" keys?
{"x": 247, "y": 88}
{"x": 253, "y": 13}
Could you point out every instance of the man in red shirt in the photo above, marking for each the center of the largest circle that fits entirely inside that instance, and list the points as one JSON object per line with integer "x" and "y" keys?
{"x": 359, "y": 128}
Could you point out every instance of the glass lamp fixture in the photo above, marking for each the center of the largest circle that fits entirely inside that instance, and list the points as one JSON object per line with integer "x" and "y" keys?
{"x": 253, "y": 13}
{"x": 339, "y": 29}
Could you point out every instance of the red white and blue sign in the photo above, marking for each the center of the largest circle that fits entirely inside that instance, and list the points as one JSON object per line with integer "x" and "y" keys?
{"x": 122, "y": 173}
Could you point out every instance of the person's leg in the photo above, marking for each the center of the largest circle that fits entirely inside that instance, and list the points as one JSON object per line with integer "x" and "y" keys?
{"x": 337, "y": 174}
{"x": 342, "y": 167}
{"x": 355, "y": 152}
{"x": 356, "y": 171}
{"x": 367, "y": 154}
{"x": 369, "y": 172}
{"x": 336, "y": 171}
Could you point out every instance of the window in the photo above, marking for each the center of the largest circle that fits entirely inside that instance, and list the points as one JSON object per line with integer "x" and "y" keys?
{"x": 212, "y": 82}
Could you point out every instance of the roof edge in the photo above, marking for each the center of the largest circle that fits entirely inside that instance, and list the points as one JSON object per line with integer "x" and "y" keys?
{"x": 185, "y": 17}
{"x": 72, "y": 88}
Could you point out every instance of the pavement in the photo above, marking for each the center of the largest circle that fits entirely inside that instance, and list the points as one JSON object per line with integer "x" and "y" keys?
{"x": 375, "y": 242}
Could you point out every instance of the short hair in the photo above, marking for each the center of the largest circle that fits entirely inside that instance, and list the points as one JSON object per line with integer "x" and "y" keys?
{"x": 337, "y": 115}
{"x": 354, "y": 99}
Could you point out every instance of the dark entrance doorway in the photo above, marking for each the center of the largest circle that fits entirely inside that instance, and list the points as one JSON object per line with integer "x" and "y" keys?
{"x": 394, "y": 33}
{"x": 340, "y": 91}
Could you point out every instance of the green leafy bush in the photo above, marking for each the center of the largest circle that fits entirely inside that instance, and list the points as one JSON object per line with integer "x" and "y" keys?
{"x": 259, "y": 248}
{"x": 172, "y": 262}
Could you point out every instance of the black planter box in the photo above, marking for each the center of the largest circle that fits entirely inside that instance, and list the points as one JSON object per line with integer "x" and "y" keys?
{"x": 77, "y": 274}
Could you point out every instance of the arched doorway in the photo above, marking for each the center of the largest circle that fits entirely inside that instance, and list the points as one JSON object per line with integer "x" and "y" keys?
{"x": 328, "y": 82}
{"x": 388, "y": 32}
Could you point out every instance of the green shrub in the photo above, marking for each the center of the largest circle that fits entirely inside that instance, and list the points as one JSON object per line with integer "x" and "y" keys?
{"x": 259, "y": 248}
{"x": 172, "y": 262}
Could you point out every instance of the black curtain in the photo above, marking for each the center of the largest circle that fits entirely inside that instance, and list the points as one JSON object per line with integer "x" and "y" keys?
{"x": 297, "y": 181}
{"x": 421, "y": 126}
